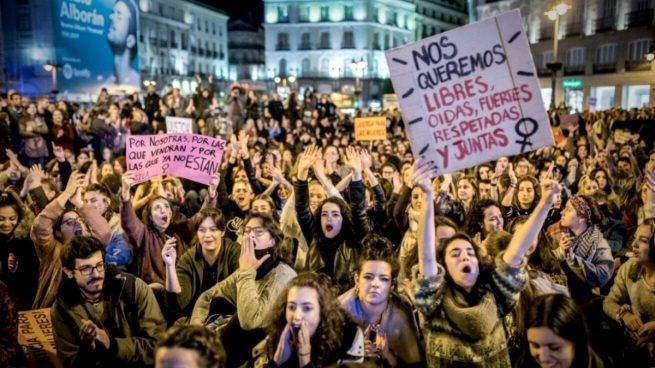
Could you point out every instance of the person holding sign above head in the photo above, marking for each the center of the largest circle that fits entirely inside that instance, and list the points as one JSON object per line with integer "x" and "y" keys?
{"x": 149, "y": 236}
{"x": 103, "y": 317}
{"x": 460, "y": 297}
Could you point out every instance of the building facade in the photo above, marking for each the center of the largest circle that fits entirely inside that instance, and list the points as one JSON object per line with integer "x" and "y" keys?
{"x": 436, "y": 16}
{"x": 246, "y": 49}
{"x": 602, "y": 45}
{"x": 339, "y": 45}
{"x": 179, "y": 39}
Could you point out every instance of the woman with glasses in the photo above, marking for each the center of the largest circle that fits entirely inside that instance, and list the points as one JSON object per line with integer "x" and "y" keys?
{"x": 248, "y": 293}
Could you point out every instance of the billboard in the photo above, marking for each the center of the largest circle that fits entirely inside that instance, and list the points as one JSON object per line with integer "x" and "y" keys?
{"x": 96, "y": 45}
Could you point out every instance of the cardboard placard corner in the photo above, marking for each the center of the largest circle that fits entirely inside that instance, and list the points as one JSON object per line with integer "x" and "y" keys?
{"x": 371, "y": 128}
{"x": 35, "y": 336}
{"x": 179, "y": 125}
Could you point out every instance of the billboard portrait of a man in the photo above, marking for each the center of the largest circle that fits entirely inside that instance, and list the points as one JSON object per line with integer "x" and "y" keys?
{"x": 122, "y": 39}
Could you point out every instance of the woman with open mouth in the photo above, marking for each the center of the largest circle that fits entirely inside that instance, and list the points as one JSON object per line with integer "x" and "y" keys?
{"x": 333, "y": 232}
{"x": 460, "y": 297}
{"x": 308, "y": 329}
{"x": 390, "y": 331}
{"x": 148, "y": 235}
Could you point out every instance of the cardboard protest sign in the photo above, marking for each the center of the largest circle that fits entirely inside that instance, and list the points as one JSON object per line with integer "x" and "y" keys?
{"x": 568, "y": 122}
{"x": 179, "y": 125}
{"x": 372, "y": 128}
{"x": 35, "y": 336}
{"x": 192, "y": 156}
{"x": 470, "y": 95}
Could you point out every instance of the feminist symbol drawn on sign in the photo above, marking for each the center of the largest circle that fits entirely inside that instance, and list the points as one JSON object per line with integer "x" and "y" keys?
{"x": 526, "y": 132}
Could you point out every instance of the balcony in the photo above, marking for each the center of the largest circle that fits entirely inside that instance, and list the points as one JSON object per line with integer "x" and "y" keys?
{"x": 574, "y": 69}
{"x": 282, "y": 47}
{"x": 573, "y": 29}
{"x": 377, "y": 46}
{"x": 347, "y": 46}
{"x": 637, "y": 65}
{"x": 640, "y": 18}
{"x": 324, "y": 46}
{"x": 304, "y": 46}
{"x": 201, "y": 52}
{"x": 604, "y": 68}
{"x": 163, "y": 43}
{"x": 604, "y": 24}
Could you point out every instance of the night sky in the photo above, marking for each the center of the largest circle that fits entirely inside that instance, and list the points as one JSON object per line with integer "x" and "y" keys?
{"x": 248, "y": 10}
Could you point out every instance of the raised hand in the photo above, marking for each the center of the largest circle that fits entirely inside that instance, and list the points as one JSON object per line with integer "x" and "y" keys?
{"x": 550, "y": 188}
{"x": 127, "y": 180}
{"x": 284, "y": 346}
{"x": 247, "y": 258}
{"x": 169, "y": 252}
{"x": 365, "y": 158}
{"x": 213, "y": 184}
{"x": 306, "y": 160}
{"x": 512, "y": 176}
{"x": 424, "y": 172}
{"x": 353, "y": 160}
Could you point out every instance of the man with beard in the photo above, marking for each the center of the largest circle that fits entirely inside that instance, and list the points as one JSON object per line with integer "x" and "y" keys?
{"x": 122, "y": 40}
{"x": 103, "y": 317}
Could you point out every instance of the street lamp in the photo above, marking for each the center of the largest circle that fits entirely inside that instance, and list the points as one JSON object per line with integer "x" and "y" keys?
{"x": 358, "y": 67}
{"x": 554, "y": 14}
{"x": 650, "y": 55}
{"x": 52, "y": 69}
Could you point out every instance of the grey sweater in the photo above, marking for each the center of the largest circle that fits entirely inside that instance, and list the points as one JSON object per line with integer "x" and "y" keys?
{"x": 253, "y": 298}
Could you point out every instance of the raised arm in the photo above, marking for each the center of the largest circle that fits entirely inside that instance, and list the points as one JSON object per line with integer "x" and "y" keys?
{"x": 427, "y": 257}
{"x": 528, "y": 232}
{"x": 509, "y": 194}
{"x": 132, "y": 225}
{"x": 301, "y": 192}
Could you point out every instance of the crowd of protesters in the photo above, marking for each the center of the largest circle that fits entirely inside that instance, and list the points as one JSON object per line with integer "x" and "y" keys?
{"x": 310, "y": 249}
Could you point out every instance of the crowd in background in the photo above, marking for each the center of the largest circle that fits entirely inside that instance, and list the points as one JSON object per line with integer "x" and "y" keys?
{"x": 309, "y": 248}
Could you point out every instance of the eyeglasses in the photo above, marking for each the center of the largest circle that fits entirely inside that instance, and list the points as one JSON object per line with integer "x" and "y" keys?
{"x": 72, "y": 221}
{"x": 88, "y": 270}
{"x": 256, "y": 231}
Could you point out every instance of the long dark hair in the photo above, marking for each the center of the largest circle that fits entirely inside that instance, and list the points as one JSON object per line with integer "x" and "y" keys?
{"x": 9, "y": 198}
{"x": 483, "y": 283}
{"x": 346, "y": 214}
{"x": 561, "y": 315}
{"x": 475, "y": 222}
{"x": 327, "y": 338}
{"x": 146, "y": 216}
{"x": 535, "y": 186}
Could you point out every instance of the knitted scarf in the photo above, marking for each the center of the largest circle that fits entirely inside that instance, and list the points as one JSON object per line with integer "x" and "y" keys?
{"x": 585, "y": 244}
{"x": 476, "y": 321}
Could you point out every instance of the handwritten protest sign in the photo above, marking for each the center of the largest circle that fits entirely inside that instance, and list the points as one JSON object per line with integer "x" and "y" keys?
{"x": 35, "y": 336}
{"x": 470, "y": 95}
{"x": 178, "y": 125}
{"x": 371, "y": 128}
{"x": 192, "y": 156}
